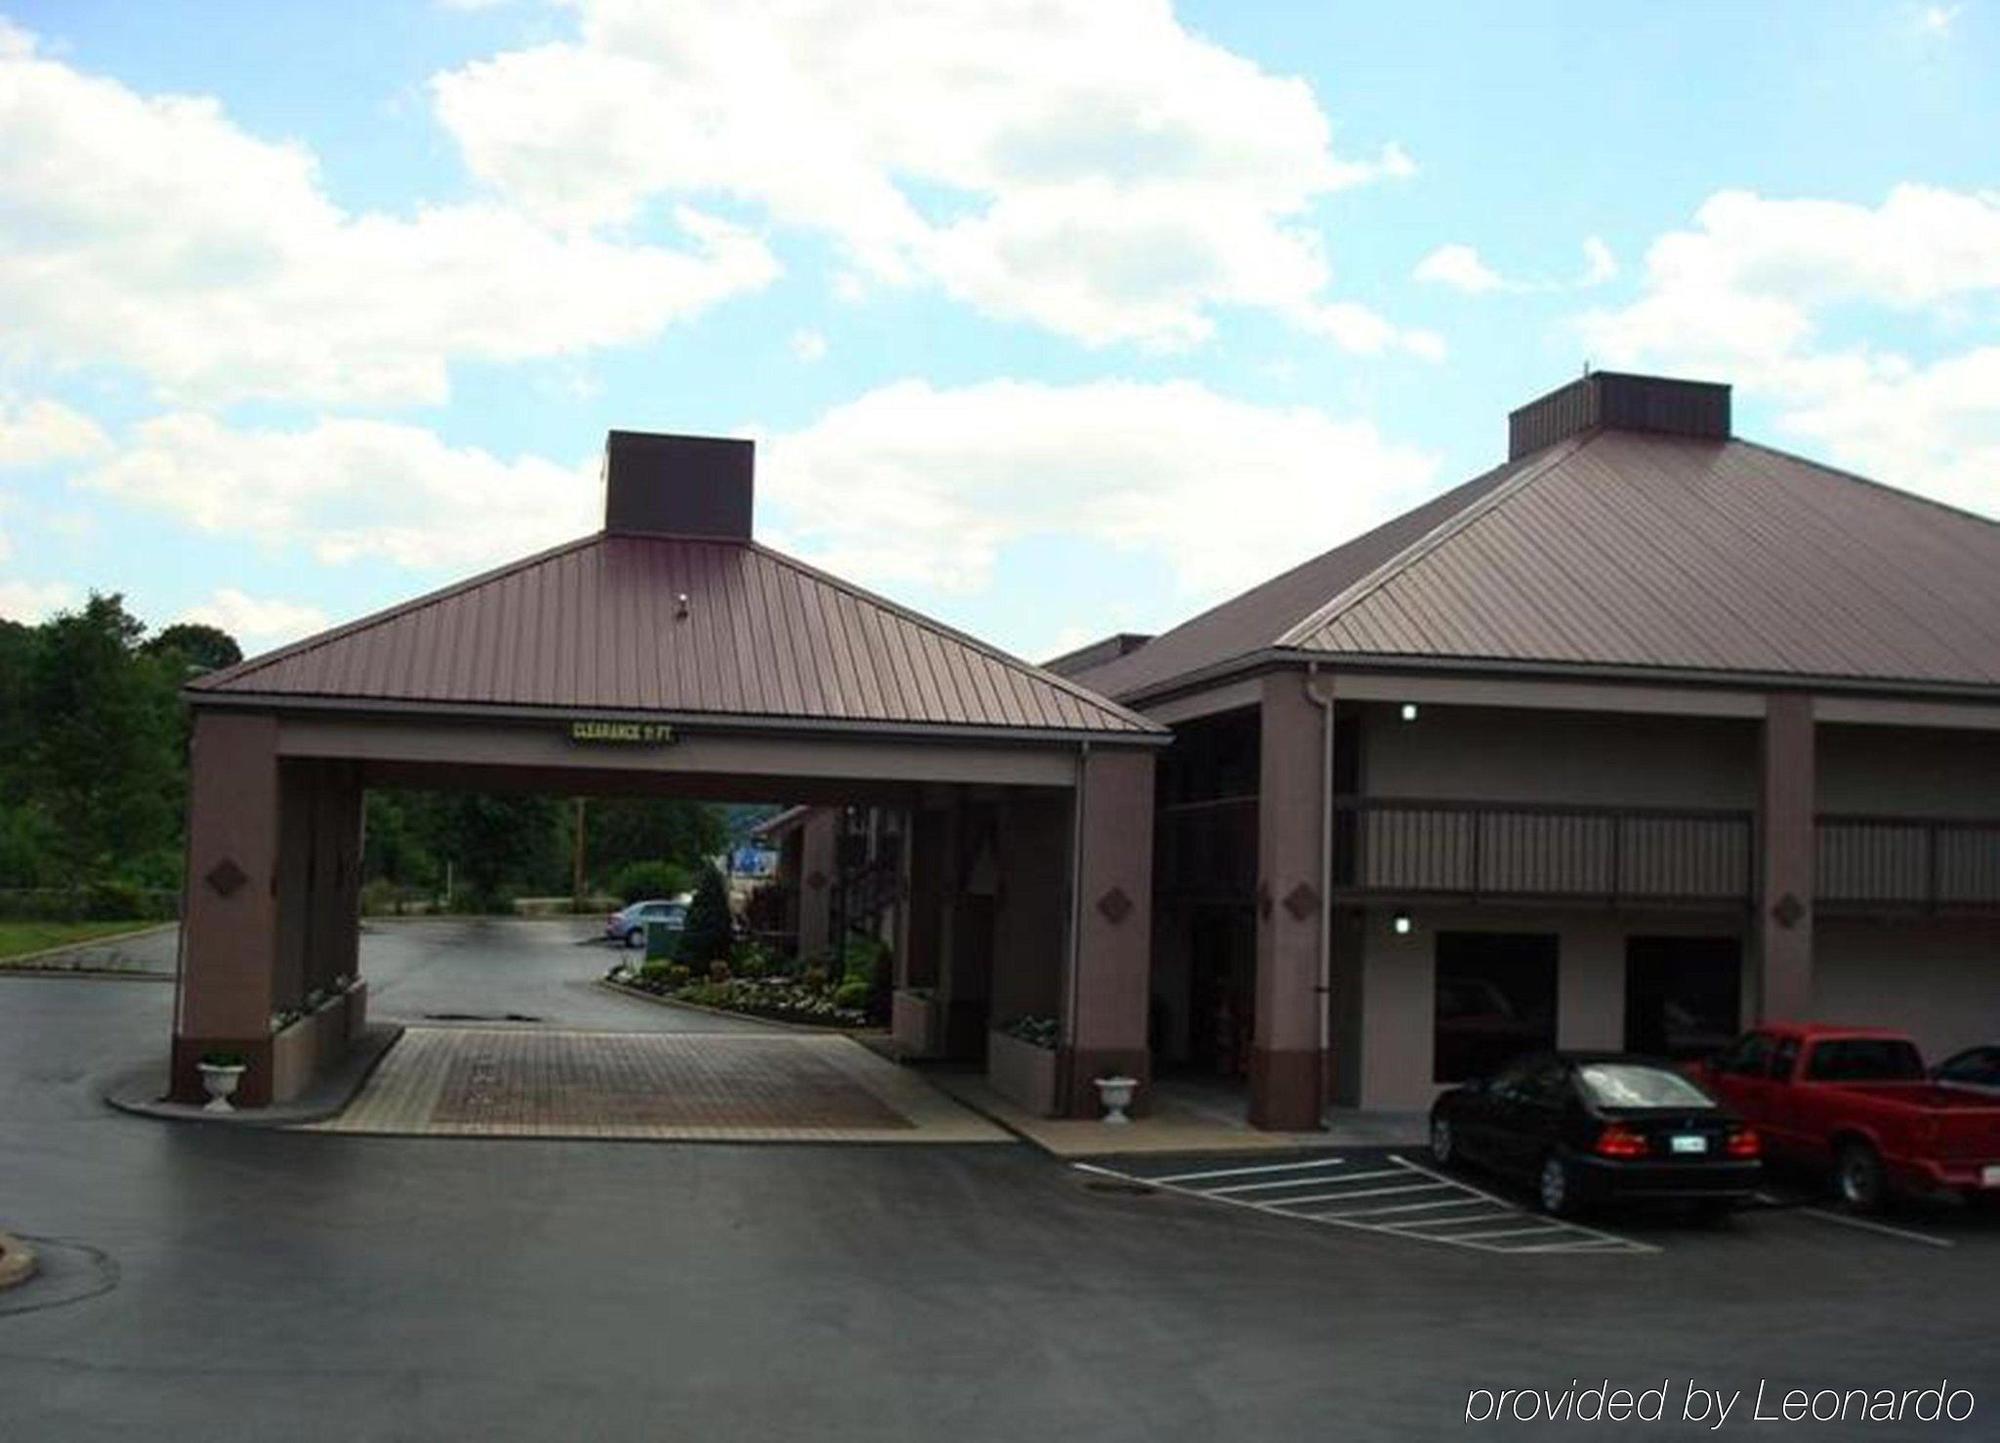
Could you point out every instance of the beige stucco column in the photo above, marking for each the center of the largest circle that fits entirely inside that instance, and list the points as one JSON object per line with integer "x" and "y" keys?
{"x": 1108, "y": 992}
{"x": 819, "y": 870}
{"x": 1787, "y": 842}
{"x": 229, "y": 907}
{"x": 1287, "y": 1070}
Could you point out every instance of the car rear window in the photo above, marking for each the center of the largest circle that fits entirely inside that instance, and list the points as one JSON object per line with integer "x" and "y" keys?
{"x": 1866, "y": 1059}
{"x": 1631, "y": 1084}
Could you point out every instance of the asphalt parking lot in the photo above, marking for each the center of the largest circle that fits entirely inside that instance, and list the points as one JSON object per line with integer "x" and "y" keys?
{"x": 234, "y": 1284}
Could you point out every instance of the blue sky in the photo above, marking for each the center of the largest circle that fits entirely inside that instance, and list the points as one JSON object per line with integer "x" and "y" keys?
{"x": 1050, "y": 320}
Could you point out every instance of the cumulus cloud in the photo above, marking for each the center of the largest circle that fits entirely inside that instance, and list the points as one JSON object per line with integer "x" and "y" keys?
{"x": 1090, "y": 166}
{"x": 33, "y": 601}
{"x": 34, "y": 433}
{"x": 1744, "y": 296}
{"x": 261, "y": 622}
{"x": 913, "y": 484}
{"x": 807, "y": 345}
{"x": 1599, "y": 264}
{"x": 346, "y": 489}
{"x": 152, "y": 232}
{"x": 1460, "y": 267}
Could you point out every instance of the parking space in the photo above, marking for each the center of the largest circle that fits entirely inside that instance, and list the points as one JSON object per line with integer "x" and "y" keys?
{"x": 1373, "y": 1191}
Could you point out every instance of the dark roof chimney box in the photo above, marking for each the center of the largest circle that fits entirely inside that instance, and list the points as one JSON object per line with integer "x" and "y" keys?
{"x": 677, "y": 485}
{"x": 1622, "y": 402}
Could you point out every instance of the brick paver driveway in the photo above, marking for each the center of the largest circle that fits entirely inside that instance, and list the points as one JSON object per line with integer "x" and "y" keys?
{"x": 734, "y": 1086}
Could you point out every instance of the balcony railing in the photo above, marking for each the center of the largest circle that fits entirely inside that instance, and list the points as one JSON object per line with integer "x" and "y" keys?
{"x": 1410, "y": 847}
{"x": 1934, "y": 863}
{"x": 1422, "y": 848}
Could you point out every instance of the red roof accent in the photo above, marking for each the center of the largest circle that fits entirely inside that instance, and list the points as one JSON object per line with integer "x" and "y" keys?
{"x": 597, "y": 626}
{"x": 1634, "y": 550}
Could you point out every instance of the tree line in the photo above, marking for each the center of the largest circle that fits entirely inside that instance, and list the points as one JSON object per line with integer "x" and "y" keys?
{"x": 93, "y": 784}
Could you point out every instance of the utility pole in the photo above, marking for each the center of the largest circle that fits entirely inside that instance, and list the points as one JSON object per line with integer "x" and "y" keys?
{"x": 576, "y": 859}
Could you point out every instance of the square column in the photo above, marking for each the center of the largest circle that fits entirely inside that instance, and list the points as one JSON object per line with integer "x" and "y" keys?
{"x": 1787, "y": 838}
{"x": 1108, "y": 995}
{"x": 819, "y": 871}
{"x": 1287, "y": 1067}
{"x": 230, "y": 902}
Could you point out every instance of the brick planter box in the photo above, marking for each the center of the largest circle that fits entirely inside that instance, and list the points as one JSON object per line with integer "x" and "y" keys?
{"x": 316, "y": 1041}
{"x": 916, "y": 1022}
{"x": 1022, "y": 1073}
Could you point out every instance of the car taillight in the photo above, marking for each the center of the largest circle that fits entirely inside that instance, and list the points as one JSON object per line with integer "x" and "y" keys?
{"x": 1616, "y": 1141}
{"x": 1744, "y": 1142}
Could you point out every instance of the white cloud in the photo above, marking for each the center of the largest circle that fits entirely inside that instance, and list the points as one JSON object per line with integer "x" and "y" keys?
{"x": 1090, "y": 166}
{"x": 258, "y": 622}
{"x": 910, "y": 484}
{"x": 1743, "y": 296}
{"x": 1460, "y": 267}
{"x": 1599, "y": 264}
{"x": 807, "y": 345}
{"x": 1938, "y": 19}
{"x": 33, "y": 601}
{"x": 33, "y": 433}
{"x": 152, "y": 232}
{"x": 344, "y": 489}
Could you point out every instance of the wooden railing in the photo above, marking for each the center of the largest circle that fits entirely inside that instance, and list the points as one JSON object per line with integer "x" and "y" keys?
{"x": 1929, "y": 862}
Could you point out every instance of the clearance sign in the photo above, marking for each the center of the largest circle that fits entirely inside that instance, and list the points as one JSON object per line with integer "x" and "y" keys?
{"x": 620, "y": 733}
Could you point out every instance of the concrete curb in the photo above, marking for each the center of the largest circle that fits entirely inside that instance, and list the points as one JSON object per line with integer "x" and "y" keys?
{"x": 139, "y": 1092}
{"x": 857, "y": 1033}
{"x": 17, "y": 1262}
{"x": 26, "y": 961}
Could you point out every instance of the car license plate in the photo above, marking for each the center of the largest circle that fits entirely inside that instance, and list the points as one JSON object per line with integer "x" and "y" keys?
{"x": 1989, "y": 1176}
{"x": 1690, "y": 1142}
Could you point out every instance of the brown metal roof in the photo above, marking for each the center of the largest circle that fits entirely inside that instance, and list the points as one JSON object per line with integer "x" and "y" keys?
{"x": 597, "y": 626}
{"x": 1634, "y": 550}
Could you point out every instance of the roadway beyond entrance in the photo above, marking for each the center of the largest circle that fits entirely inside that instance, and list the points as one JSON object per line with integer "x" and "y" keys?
{"x": 232, "y": 1283}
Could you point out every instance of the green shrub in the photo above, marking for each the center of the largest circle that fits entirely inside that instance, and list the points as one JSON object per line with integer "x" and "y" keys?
{"x": 813, "y": 978}
{"x": 749, "y": 959}
{"x": 644, "y": 881}
{"x": 852, "y": 993}
{"x": 709, "y": 933}
{"x": 679, "y": 974}
{"x": 658, "y": 971}
{"x": 718, "y": 971}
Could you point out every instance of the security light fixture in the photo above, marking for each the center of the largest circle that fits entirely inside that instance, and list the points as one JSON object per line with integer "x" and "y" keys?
{"x": 1409, "y": 711}
{"x": 1400, "y": 924}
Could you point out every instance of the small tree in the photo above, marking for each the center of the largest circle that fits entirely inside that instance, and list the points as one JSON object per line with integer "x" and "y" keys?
{"x": 707, "y": 936}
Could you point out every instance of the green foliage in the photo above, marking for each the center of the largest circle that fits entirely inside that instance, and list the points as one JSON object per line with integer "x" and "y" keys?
{"x": 621, "y": 831}
{"x": 710, "y": 931}
{"x": 870, "y": 967}
{"x": 852, "y": 993}
{"x": 751, "y": 959}
{"x": 641, "y": 881}
{"x": 195, "y": 647}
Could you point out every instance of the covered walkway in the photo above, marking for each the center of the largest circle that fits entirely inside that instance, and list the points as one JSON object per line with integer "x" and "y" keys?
{"x": 670, "y": 654}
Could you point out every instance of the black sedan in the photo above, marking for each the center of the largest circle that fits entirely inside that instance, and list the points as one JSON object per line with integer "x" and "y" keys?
{"x": 1591, "y": 1127}
{"x": 1977, "y": 1068}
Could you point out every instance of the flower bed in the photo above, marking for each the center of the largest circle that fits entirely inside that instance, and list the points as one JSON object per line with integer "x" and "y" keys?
{"x": 1021, "y": 1064}
{"x": 775, "y": 999}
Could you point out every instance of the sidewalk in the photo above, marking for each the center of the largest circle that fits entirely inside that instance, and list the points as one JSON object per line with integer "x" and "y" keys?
{"x": 1180, "y": 1120}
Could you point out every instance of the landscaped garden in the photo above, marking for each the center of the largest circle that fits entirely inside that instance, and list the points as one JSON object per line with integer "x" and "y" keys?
{"x": 707, "y": 965}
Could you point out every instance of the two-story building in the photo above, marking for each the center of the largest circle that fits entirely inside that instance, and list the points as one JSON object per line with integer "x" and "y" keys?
{"x": 1645, "y": 733}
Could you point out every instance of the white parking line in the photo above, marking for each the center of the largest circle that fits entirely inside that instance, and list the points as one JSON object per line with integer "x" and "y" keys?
{"x": 1302, "y": 1181}
{"x": 1874, "y": 1227}
{"x": 1357, "y": 1192}
{"x": 1244, "y": 1171}
{"x": 1486, "y": 1209}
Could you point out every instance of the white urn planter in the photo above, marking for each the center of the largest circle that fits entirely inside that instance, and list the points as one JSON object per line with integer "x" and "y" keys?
{"x": 1116, "y": 1095}
{"x": 220, "y": 1079}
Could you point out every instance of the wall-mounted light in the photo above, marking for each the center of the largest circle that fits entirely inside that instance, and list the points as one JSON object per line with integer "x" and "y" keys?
{"x": 1409, "y": 711}
{"x": 1400, "y": 924}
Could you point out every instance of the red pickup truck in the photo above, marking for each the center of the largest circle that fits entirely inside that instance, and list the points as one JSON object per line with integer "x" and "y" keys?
{"x": 1856, "y": 1101}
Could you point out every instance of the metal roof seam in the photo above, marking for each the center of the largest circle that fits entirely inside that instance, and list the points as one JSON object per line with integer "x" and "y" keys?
{"x": 1438, "y": 535}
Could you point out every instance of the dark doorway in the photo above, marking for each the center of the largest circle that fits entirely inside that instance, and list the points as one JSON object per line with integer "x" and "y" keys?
{"x": 1496, "y": 998}
{"x": 1222, "y": 971}
{"x": 1682, "y": 994}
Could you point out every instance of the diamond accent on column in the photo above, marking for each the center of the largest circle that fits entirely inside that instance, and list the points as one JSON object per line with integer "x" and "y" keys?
{"x": 1301, "y": 901}
{"x": 1115, "y": 906}
{"x": 1788, "y": 912}
{"x": 225, "y": 877}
